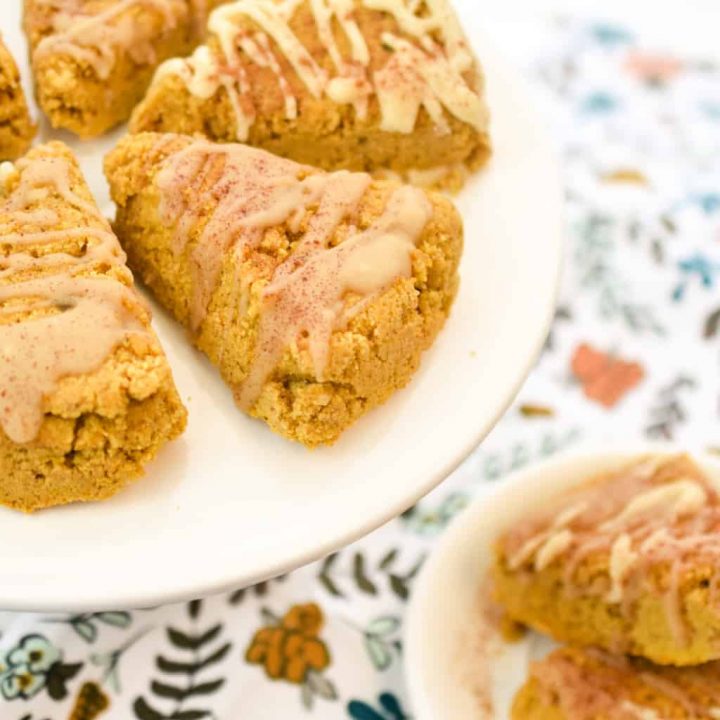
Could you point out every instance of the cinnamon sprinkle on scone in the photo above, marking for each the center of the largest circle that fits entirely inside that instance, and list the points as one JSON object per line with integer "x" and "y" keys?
{"x": 86, "y": 393}
{"x": 629, "y": 562}
{"x": 589, "y": 684}
{"x": 16, "y": 127}
{"x": 353, "y": 84}
{"x": 93, "y": 59}
{"x": 315, "y": 293}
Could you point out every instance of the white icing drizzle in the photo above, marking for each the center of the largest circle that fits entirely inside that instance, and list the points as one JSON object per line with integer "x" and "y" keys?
{"x": 306, "y": 296}
{"x": 75, "y": 318}
{"x": 422, "y": 72}
{"x": 98, "y": 38}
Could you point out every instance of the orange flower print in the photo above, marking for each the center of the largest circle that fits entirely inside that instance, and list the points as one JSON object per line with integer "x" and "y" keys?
{"x": 652, "y": 68}
{"x": 290, "y": 650}
{"x": 605, "y": 379}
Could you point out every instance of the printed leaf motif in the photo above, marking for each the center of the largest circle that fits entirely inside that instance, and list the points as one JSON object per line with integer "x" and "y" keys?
{"x": 380, "y": 654}
{"x": 85, "y": 624}
{"x": 325, "y": 578}
{"x": 194, "y": 608}
{"x": 389, "y": 709}
{"x": 197, "y": 656}
{"x": 361, "y": 579}
{"x": 384, "y": 626}
{"x": 604, "y": 378}
{"x": 116, "y": 619}
{"x": 320, "y": 685}
{"x": 192, "y": 642}
{"x": 368, "y": 581}
{"x": 668, "y": 412}
{"x": 85, "y": 630}
{"x": 712, "y": 325}
{"x": 144, "y": 712}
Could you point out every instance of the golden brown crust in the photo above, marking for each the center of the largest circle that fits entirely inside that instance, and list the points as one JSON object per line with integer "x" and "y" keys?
{"x": 99, "y": 428}
{"x": 377, "y": 353}
{"x": 576, "y": 684}
{"x": 550, "y": 601}
{"x": 68, "y": 88}
{"x": 16, "y": 127}
{"x": 324, "y": 134}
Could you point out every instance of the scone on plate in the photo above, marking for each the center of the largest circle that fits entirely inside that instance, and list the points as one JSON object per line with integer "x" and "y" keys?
{"x": 358, "y": 84}
{"x": 86, "y": 393}
{"x": 16, "y": 128}
{"x": 93, "y": 59}
{"x": 314, "y": 293}
{"x": 588, "y": 684}
{"x": 628, "y": 561}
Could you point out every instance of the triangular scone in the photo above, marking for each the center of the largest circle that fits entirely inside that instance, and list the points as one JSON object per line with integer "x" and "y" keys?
{"x": 584, "y": 684}
{"x": 629, "y": 562}
{"x": 315, "y": 293}
{"x": 16, "y": 128}
{"x": 86, "y": 392}
{"x": 93, "y": 59}
{"x": 354, "y": 84}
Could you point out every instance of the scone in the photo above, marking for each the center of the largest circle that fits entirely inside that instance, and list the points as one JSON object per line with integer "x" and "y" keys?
{"x": 357, "y": 84}
{"x": 629, "y": 562}
{"x": 586, "y": 684}
{"x": 314, "y": 293}
{"x": 86, "y": 393}
{"x": 93, "y": 59}
{"x": 16, "y": 128}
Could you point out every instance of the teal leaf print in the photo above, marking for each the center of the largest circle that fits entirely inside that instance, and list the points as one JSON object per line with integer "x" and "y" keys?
{"x": 85, "y": 624}
{"x": 389, "y": 709}
{"x": 110, "y": 661}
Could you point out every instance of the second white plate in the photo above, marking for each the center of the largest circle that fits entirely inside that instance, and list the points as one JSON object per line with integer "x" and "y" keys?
{"x": 450, "y": 667}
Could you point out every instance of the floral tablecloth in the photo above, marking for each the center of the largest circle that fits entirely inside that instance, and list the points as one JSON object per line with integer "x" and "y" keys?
{"x": 633, "y": 353}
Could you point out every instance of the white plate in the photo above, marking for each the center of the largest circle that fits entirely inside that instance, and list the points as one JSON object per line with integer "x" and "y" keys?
{"x": 445, "y": 660}
{"x": 230, "y": 503}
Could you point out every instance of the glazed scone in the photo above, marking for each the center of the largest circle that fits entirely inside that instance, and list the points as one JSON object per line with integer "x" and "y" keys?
{"x": 314, "y": 293}
{"x": 16, "y": 128}
{"x": 587, "y": 684}
{"x": 94, "y": 59}
{"x": 339, "y": 84}
{"x": 86, "y": 393}
{"x": 629, "y": 562}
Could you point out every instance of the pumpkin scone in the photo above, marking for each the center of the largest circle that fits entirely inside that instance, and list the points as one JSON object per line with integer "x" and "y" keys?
{"x": 94, "y": 59}
{"x": 16, "y": 128}
{"x": 629, "y": 562}
{"x": 588, "y": 684}
{"x": 339, "y": 84}
{"x": 86, "y": 393}
{"x": 314, "y": 293}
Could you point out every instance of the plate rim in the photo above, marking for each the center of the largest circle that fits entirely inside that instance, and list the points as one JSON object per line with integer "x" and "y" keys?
{"x": 420, "y": 701}
{"x": 138, "y": 597}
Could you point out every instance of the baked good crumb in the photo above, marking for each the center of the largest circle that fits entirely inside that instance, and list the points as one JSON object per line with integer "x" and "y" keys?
{"x": 86, "y": 393}
{"x": 315, "y": 294}
{"x": 93, "y": 61}
{"x": 628, "y": 562}
{"x": 587, "y": 684}
{"x": 384, "y": 85}
{"x": 16, "y": 127}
